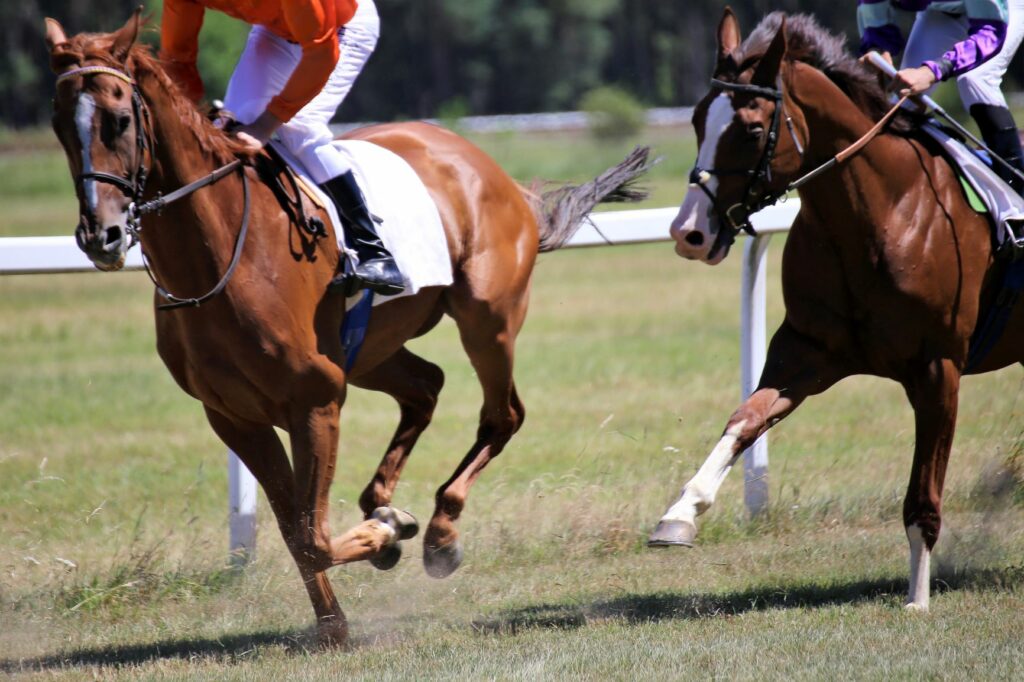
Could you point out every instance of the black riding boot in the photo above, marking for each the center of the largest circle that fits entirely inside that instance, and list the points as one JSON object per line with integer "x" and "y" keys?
{"x": 1000, "y": 134}
{"x": 376, "y": 270}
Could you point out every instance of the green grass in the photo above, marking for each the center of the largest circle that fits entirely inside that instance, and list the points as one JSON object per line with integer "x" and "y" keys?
{"x": 113, "y": 511}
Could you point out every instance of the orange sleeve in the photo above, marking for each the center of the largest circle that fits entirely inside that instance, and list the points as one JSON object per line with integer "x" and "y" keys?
{"x": 179, "y": 30}
{"x": 314, "y": 26}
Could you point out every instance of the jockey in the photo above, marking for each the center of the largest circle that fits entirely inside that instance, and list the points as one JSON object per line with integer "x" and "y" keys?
{"x": 300, "y": 61}
{"x": 971, "y": 40}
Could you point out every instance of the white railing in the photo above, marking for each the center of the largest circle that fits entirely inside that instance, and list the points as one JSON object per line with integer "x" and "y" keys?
{"x": 26, "y": 255}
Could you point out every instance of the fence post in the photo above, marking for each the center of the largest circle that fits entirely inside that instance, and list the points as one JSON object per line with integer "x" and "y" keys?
{"x": 242, "y": 511}
{"x": 753, "y": 348}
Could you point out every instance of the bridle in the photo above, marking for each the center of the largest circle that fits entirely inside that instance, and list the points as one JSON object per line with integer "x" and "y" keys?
{"x": 758, "y": 195}
{"x": 133, "y": 186}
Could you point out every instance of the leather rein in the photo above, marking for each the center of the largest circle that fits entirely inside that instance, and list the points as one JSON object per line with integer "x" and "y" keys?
{"x": 755, "y": 198}
{"x": 134, "y": 185}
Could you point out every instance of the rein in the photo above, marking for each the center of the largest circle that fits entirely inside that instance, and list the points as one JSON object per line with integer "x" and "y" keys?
{"x": 134, "y": 186}
{"x": 738, "y": 215}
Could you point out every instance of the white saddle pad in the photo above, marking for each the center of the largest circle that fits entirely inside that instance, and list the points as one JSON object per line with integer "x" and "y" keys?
{"x": 412, "y": 229}
{"x": 1005, "y": 205}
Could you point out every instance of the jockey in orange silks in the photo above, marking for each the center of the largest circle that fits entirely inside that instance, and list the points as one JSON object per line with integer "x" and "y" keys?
{"x": 299, "y": 63}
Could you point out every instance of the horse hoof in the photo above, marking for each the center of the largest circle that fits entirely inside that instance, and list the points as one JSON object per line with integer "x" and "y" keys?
{"x": 388, "y": 557}
{"x": 441, "y": 562}
{"x": 332, "y": 635}
{"x": 673, "y": 534}
{"x": 915, "y": 608}
{"x": 404, "y": 524}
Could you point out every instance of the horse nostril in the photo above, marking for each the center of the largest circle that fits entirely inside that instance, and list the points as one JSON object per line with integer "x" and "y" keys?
{"x": 112, "y": 237}
{"x": 694, "y": 238}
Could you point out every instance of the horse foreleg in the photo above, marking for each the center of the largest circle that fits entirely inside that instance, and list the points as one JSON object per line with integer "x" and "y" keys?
{"x": 794, "y": 369}
{"x": 259, "y": 447}
{"x": 314, "y": 437}
{"x": 934, "y": 394}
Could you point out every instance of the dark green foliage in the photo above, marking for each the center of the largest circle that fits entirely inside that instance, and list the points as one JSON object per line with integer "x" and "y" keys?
{"x": 488, "y": 56}
{"x": 614, "y": 114}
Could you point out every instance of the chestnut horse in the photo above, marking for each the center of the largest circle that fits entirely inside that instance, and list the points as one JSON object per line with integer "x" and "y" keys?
{"x": 885, "y": 271}
{"x": 265, "y": 351}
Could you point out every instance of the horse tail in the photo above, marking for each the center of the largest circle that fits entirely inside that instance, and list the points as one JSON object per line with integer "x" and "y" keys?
{"x": 561, "y": 211}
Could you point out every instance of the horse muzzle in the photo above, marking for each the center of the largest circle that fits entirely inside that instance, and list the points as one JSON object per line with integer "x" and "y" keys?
{"x": 694, "y": 230}
{"x": 106, "y": 247}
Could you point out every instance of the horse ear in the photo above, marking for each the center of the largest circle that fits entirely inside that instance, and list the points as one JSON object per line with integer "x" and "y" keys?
{"x": 728, "y": 33}
{"x": 54, "y": 34}
{"x": 125, "y": 36}
{"x": 767, "y": 71}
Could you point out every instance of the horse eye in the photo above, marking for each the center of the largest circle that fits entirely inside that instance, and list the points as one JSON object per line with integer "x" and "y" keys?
{"x": 755, "y": 131}
{"x": 123, "y": 121}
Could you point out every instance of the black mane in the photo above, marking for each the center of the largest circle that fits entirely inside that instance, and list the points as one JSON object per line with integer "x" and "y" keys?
{"x": 808, "y": 42}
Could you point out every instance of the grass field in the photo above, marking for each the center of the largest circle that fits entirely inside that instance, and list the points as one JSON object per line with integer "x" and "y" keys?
{"x": 113, "y": 519}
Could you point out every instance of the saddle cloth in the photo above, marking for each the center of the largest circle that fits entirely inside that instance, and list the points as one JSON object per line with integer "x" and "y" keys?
{"x": 1005, "y": 206}
{"x": 411, "y": 228}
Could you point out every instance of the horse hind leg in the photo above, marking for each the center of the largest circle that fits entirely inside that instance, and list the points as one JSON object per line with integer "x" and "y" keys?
{"x": 415, "y": 384}
{"x": 489, "y": 341}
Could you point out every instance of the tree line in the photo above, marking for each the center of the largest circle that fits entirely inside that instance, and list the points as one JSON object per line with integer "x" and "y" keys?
{"x": 447, "y": 57}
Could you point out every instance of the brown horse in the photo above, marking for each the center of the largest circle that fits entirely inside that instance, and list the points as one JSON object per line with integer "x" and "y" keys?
{"x": 265, "y": 351}
{"x": 885, "y": 271}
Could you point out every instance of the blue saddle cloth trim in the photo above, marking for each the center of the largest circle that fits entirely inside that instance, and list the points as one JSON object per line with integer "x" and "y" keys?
{"x": 353, "y": 328}
{"x": 993, "y": 321}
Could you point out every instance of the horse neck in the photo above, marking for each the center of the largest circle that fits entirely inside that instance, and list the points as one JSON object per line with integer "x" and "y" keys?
{"x": 190, "y": 240}
{"x": 834, "y": 123}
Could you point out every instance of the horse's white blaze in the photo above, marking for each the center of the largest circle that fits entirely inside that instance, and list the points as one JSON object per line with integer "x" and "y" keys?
{"x": 85, "y": 111}
{"x": 920, "y": 569}
{"x": 699, "y": 492}
{"x": 693, "y": 214}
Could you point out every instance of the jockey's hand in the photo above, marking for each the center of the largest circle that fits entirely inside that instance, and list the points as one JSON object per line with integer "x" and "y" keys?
{"x": 256, "y": 134}
{"x": 884, "y": 54}
{"x": 913, "y": 81}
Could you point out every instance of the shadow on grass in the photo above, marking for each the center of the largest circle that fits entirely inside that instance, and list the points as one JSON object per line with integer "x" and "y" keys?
{"x": 661, "y": 606}
{"x": 231, "y": 648}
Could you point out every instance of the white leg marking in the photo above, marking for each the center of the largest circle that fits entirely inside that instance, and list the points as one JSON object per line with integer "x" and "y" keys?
{"x": 699, "y": 492}
{"x": 85, "y": 111}
{"x": 920, "y": 570}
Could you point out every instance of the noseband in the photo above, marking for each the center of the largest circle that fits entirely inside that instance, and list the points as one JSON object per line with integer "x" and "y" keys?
{"x": 134, "y": 185}
{"x": 756, "y": 196}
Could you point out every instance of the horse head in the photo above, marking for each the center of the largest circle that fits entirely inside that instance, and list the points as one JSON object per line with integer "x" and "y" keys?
{"x": 743, "y": 162}
{"x": 99, "y": 119}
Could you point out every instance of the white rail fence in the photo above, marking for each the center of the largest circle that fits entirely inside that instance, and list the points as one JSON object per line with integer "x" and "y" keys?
{"x": 40, "y": 255}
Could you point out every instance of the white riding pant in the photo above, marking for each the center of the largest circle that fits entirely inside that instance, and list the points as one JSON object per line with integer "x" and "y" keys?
{"x": 264, "y": 68}
{"x": 935, "y": 32}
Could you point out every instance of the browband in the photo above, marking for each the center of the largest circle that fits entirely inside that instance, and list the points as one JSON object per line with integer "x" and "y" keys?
{"x": 85, "y": 70}
{"x": 769, "y": 93}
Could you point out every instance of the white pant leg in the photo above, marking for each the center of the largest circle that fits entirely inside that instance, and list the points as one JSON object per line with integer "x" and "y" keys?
{"x": 984, "y": 85}
{"x": 262, "y": 71}
{"x": 264, "y": 68}
{"x": 308, "y": 135}
{"x": 932, "y": 34}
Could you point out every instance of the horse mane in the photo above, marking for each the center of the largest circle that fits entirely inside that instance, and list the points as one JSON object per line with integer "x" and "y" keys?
{"x": 143, "y": 65}
{"x": 808, "y": 42}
